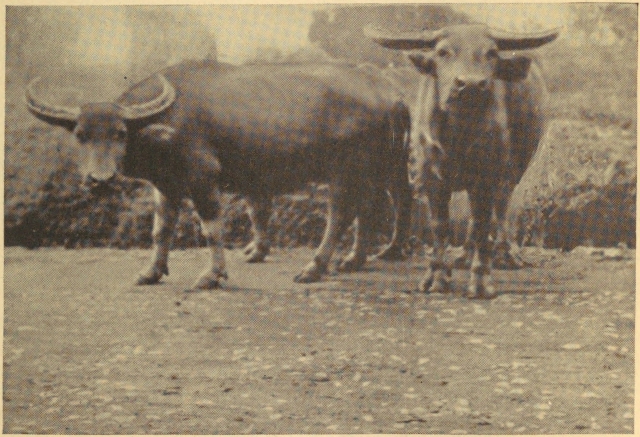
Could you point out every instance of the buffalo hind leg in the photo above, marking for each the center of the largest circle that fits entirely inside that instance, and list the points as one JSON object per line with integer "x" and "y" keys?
{"x": 164, "y": 221}
{"x": 337, "y": 210}
{"x": 259, "y": 212}
{"x": 401, "y": 199}
{"x": 506, "y": 254}
{"x": 438, "y": 278}
{"x": 480, "y": 284}
{"x": 401, "y": 190}
{"x": 213, "y": 228}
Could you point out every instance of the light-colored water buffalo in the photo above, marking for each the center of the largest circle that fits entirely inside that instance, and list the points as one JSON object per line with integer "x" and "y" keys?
{"x": 479, "y": 122}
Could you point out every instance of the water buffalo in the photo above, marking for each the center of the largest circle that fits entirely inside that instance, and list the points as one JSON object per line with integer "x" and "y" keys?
{"x": 259, "y": 212}
{"x": 479, "y": 121}
{"x": 197, "y": 128}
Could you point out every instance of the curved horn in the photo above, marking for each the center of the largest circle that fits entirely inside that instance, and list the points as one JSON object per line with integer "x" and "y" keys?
{"x": 50, "y": 113}
{"x": 522, "y": 41}
{"x": 403, "y": 40}
{"x": 152, "y": 107}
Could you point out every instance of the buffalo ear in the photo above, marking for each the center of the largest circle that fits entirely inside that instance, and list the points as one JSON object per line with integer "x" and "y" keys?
{"x": 424, "y": 62}
{"x": 158, "y": 133}
{"x": 512, "y": 69}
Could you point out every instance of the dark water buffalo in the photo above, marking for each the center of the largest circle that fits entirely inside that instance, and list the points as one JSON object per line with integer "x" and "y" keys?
{"x": 479, "y": 121}
{"x": 198, "y": 128}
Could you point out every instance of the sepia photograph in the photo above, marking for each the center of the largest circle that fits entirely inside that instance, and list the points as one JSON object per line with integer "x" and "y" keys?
{"x": 401, "y": 218}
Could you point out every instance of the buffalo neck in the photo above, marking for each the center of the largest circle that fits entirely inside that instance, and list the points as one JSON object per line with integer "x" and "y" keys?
{"x": 465, "y": 121}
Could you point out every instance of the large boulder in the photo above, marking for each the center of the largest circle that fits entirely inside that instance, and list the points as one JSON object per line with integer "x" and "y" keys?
{"x": 580, "y": 188}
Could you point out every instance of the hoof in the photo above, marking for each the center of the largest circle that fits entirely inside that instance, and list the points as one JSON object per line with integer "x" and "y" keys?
{"x": 249, "y": 248}
{"x": 481, "y": 289}
{"x": 351, "y": 263}
{"x": 151, "y": 276}
{"x": 505, "y": 257}
{"x": 210, "y": 281}
{"x": 463, "y": 262}
{"x": 392, "y": 253}
{"x": 307, "y": 277}
{"x": 440, "y": 287}
{"x": 311, "y": 273}
{"x": 436, "y": 282}
{"x": 257, "y": 253}
{"x": 425, "y": 284}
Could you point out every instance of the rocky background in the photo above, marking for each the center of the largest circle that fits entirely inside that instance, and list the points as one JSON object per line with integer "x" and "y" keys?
{"x": 580, "y": 190}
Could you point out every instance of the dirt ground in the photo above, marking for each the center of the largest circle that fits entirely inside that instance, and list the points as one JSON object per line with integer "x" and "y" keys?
{"x": 85, "y": 352}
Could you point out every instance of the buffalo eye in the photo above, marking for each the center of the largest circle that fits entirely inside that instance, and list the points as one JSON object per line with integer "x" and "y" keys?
{"x": 444, "y": 53}
{"x": 81, "y": 136}
{"x": 118, "y": 134}
{"x": 491, "y": 54}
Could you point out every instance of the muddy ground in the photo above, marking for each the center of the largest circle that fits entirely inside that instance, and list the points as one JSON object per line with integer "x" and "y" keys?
{"x": 87, "y": 353}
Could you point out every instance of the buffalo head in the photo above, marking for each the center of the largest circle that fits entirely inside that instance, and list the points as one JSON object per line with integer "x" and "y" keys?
{"x": 100, "y": 128}
{"x": 464, "y": 59}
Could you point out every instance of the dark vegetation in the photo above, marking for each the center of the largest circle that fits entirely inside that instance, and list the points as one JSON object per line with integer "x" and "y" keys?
{"x": 581, "y": 189}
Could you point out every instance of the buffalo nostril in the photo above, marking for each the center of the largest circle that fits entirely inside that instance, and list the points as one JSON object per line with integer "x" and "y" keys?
{"x": 90, "y": 180}
{"x": 101, "y": 188}
{"x": 459, "y": 83}
{"x": 483, "y": 84}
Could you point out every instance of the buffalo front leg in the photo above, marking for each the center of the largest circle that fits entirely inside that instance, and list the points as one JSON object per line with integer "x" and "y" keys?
{"x": 438, "y": 278}
{"x": 506, "y": 253}
{"x": 464, "y": 260}
{"x": 337, "y": 209}
{"x": 213, "y": 228}
{"x": 357, "y": 257}
{"x": 480, "y": 285}
{"x": 259, "y": 212}
{"x": 164, "y": 221}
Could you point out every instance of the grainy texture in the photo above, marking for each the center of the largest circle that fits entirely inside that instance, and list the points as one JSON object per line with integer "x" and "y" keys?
{"x": 85, "y": 353}
{"x": 590, "y": 72}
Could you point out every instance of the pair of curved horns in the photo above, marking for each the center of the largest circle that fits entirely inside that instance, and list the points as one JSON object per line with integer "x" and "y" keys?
{"x": 505, "y": 40}
{"x": 130, "y": 112}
